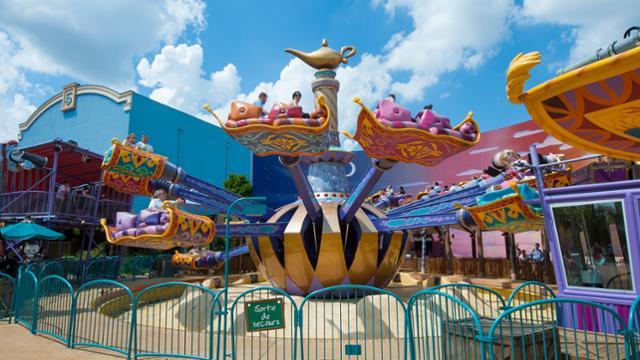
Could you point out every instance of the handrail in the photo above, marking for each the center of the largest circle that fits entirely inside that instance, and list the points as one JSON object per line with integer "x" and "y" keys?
{"x": 25, "y": 191}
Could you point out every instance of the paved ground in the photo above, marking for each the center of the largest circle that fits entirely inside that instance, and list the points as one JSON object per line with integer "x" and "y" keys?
{"x": 17, "y": 342}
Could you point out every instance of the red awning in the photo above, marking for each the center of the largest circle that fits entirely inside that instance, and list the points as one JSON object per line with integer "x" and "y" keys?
{"x": 75, "y": 165}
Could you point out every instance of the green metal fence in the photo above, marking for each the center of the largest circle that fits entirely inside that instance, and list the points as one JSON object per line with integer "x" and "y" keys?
{"x": 633, "y": 324}
{"x": 370, "y": 322}
{"x": 72, "y": 268}
{"x": 102, "y": 268}
{"x": 528, "y": 292}
{"x": 103, "y": 316}
{"x": 55, "y": 305}
{"x": 35, "y": 268}
{"x": 7, "y": 297}
{"x": 559, "y": 329}
{"x": 27, "y": 300}
{"x": 176, "y": 319}
{"x": 185, "y": 320}
{"x": 52, "y": 268}
{"x": 132, "y": 266}
{"x": 270, "y": 342}
{"x": 444, "y": 327}
{"x": 485, "y": 302}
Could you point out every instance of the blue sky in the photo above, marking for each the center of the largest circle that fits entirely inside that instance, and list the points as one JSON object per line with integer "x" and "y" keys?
{"x": 452, "y": 53}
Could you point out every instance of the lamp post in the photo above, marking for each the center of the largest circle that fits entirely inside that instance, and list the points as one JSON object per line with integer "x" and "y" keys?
{"x": 256, "y": 207}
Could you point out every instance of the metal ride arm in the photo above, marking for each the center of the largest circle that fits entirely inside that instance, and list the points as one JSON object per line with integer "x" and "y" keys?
{"x": 366, "y": 184}
{"x": 140, "y": 164}
{"x": 416, "y": 222}
{"x": 176, "y": 190}
{"x": 302, "y": 186}
{"x": 206, "y": 259}
{"x": 631, "y": 40}
{"x": 436, "y": 211}
{"x": 469, "y": 190}
{"x": 214, "y": 193}
{"x": 250, "y": 229}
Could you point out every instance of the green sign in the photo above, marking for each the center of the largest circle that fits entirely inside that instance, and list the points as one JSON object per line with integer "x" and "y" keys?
{"x": 264, "y": 315}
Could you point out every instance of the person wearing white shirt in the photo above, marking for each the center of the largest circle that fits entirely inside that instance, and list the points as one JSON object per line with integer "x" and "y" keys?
{"x": 159, "y": 197}
{"x": 144, "y": 145}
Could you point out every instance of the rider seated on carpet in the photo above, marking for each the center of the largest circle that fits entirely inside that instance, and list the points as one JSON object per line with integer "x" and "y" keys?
{"x": 159, "y": 197}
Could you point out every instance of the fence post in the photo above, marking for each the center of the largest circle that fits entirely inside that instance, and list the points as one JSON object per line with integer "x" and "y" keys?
{"x": 14, "y": 298}
{"x": 132, "y": 330}
{"x": 34, "y": 324}
{"x": 52, "y": 184}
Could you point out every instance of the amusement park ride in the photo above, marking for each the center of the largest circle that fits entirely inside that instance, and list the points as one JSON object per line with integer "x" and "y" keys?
{"x": 332, "y": 236}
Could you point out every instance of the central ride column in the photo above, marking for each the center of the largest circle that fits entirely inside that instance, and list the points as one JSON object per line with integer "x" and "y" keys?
{"x": 327, "y": 174}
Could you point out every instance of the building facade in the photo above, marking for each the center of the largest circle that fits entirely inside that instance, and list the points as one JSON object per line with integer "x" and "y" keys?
{"x": 92, "y": 115}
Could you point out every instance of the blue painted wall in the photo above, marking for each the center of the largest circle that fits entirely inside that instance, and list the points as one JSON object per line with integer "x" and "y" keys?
{"x": 202, "y": 149}
{"x": 92, "y": 124}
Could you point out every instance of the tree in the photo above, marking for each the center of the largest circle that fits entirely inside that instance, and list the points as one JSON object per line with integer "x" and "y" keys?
{"x": 238, "y": 184}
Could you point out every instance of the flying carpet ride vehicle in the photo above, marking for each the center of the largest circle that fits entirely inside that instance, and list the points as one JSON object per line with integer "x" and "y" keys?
{"x": 130, "y": 171}
{"x": 594, "y": 107}
{"x": 390, "y": 133}
{"x": 283, "y": 131}
{"x": 160, "y": 230}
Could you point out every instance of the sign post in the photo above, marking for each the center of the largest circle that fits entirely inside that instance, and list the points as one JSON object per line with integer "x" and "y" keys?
{"x": 253, "y": 207}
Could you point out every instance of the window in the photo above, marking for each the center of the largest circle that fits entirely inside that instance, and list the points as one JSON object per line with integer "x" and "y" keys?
{"x": 593, "y": 245}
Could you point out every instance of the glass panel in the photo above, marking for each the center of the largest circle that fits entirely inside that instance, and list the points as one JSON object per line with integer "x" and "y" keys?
{"x": 593, "y": 243}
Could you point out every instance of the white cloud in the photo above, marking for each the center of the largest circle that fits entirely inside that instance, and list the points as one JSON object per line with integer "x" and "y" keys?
{"x": 14, "y": 107}
{"x": 95, "y": 41}
{"x": 444, "y": 95}
{"x": 175, "y": 75}
{"x": 89, "y": 41}
{"x": 482, "y": 150}
{"x": 435, "y": 45}
{"x": 368, "y": 80}
{"x": 524, "y": 133}
{"x": 13, "y": 111}
{"x": 593, "y": 24}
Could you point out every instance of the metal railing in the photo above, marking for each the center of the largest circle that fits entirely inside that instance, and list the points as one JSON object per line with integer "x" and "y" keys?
{"x": 528, "y": 292}
{"x": 27, "y": 300}
{"x": 559, "y": 328}
{"x": 370, "y": 322}
{"x": 485, "y": 302}
{"x": 55, "y": 304}
{"x": 185, "y": 320}
{"x": 176, "y": 319}
{"x": 7, "y": 297}
{"x": 443, "y": 327}
{"x": 103, "y": 316}
{"x": 76, "y": 206}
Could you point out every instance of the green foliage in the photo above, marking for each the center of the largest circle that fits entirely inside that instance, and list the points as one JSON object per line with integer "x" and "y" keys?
{"x": 218, "y": 244}
{"x": 238, "y": 184}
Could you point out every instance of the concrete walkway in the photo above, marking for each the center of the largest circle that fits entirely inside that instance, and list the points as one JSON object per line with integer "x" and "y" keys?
{"x": 17, "y": 342}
